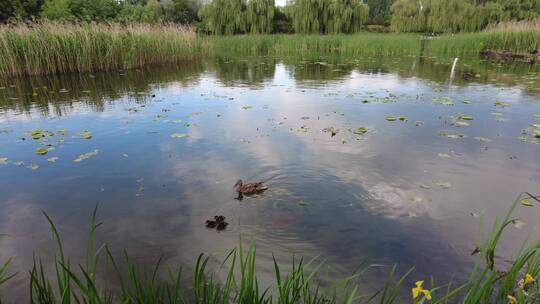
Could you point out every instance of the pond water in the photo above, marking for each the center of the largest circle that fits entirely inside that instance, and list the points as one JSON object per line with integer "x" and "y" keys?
{"x": 165, "y": 146}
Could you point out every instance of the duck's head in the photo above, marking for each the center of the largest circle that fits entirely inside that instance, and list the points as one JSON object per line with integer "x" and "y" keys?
{"x": 238, "y": 184}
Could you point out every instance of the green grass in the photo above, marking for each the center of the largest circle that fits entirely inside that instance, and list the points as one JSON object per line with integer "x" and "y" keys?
{"x": 518, "y": 41}
{"x": 489, "y": 282}
{"x": 48, "y": 48}
{"x": 361, "y": 44}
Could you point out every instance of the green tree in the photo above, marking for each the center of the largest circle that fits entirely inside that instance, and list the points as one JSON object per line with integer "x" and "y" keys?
{"x": 224, "y": 17}
{"x": 327, "y": 16}
{"x": 57, "y": 10}
{"x": 181, "y": 11}
{"x": 379, "y": 11}
{"x": 95, "y": 10}
{"x": 260, "y": 16}
{"x": 19, "y": 8}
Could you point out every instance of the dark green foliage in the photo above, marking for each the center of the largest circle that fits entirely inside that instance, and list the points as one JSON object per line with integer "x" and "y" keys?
{"x": 327, "y": 16}
{"x": 181, "y": 11}
{"x": 94, "y": 10}
{"x": 281, "y": 23}
{"x": 19, "y": 8}
{"x": 379, "y": 11}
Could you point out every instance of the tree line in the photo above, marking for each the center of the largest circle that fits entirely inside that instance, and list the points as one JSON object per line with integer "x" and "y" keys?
{"x": 228, "y": 17}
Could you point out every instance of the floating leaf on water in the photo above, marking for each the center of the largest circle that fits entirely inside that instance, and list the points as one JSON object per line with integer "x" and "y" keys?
{"x": 360, "y": 131}
{"x": 445, "y": 185}
{"x": 85, "y": 134}
{"x": 482, "y": 139}
{"x": 191, "y": 125}
{"x": 452, "y": 135}
{"x": 302, "y": 202}
{"x": 62, "y": 132}
{"x": 179, "y": 135}
{"x": 461, "y": 124}
{"x": 246, "y": 107}
{"x": 444, "y": 155}
{"x": 42, "y": 151}
{"x": 466, "y": 101}
{"x": 403, "y": 118}
{"x": 33, "y": 167}
{"x": 537, "y": 134}
{"x": 499, "y": 103}
{"x": 390, "y": 118}
{"x": 518, "y": 224}
{"x": 141, "y": 189}
{"x": 425, "y": 186}
{"x": 36, "y": 134}
{"x": 526, "y": 202}
{"x": 419, "y": 123}
{"x": 466, "y": 117}
{"x": 447, "y": 101}
{"x": 4, "y": 160}
{"x": 365, "y": 101}
{"x": 52, "y": 159}
{"x": 417, "y": 199}
{"x": 86, "y": 155}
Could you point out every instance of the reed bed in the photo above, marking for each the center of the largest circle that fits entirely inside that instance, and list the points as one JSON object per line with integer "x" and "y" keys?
{"x": 361, "y": 44}
{"x": 49, "y": 47}
{"x": 491, "y": 279}
{"x": 515, "y": 37}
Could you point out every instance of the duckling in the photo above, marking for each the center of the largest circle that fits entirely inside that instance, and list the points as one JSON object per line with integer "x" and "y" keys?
{"x": 249, "y": 188}
{"x": 222, "y": 226}
{"x": 219, "y": 218}
{"x": 211, "y": 224}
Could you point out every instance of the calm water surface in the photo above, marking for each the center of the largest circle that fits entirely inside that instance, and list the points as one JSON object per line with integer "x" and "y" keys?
{"x": 405, "y": 192}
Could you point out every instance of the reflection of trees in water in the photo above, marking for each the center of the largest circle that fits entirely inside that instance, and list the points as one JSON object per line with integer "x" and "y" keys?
{"x": 59, "y": 94}
{"x": 253, "y": 71}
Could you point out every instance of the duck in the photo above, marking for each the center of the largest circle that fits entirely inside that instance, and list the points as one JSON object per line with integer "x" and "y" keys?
{"x": 249, "y": 188}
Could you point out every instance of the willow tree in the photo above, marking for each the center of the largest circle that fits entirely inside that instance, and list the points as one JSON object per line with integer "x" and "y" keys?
{"x": 328, "y": 16}
{"x": 456, "y": 16}
{"x": 409, "y": 15}
{"x": 259, "y": 16}
{"x": 224, "y": 17}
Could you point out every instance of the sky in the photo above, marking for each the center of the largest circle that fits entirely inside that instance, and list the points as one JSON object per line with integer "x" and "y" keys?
{"x": 281, "y": 2}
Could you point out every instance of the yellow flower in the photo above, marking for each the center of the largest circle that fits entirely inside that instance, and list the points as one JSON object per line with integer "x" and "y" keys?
{"x": 528, "y": 279}
{"x": 511, "y": 300}
{"x": 420, "y": 290}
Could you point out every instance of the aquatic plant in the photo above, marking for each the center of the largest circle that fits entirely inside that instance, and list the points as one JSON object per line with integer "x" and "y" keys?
{"x": 489, "y": 282}
{"x": 50, "y": 47}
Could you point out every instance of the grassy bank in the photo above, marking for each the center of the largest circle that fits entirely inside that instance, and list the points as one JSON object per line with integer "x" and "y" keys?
{"x": 362, "y": 44}
{"x": 514, "y": 37}
{"x": 48, "y": 47}
{"x": 490, "y": 281}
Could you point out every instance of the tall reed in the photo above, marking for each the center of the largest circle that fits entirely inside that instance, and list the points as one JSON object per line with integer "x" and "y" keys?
{"x": 49, "y": 47}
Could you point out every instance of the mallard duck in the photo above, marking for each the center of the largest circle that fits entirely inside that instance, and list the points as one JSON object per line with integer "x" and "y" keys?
{"x": 249, "y": 188}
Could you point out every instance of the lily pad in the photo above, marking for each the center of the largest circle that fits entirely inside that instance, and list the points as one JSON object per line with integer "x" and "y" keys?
{"x": 42, "y": 151}
{"x": 52, "y": 159}
{"x": 86, "y": 155}
{"x": 482, "y": 139}
{"x": 4, "y": 160}
{"x": 537, "y": 134}
{"x": 85, "y": 134}
{"x": 246, "y": 107}
{"x": 403, "y": 118}
{"x": 360, "y": 131}
{"x": 391, "y": 118}
{"x": 526, "y": 202}
{"x": 445, "y": 185}
{"x": 179, "y": 135}
{"x": 499, "y": 103}
{"x": 302, "y": 202}
{"x": 425, "y": 186}
{"x": 33, "y": 167}
{"x": 466, "y": 117}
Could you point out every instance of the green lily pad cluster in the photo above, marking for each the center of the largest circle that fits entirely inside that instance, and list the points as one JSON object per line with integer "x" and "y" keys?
{"x": 360, "y": 131}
